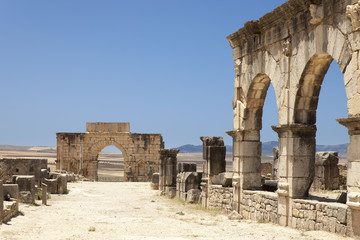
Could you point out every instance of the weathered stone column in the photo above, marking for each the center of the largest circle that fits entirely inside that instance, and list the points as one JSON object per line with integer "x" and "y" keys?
{"x": 246, "y": 162}
{"x": 214, "y": 153}
{"x": 296, "y": 165}
{"x": 353, "y": 170}
{"x": 168, "y": 172}
{"x": 1, "y": 202}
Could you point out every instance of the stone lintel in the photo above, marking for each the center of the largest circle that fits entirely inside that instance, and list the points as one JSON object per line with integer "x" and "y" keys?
{"x": 295, "y": 130}
{"x": 352, "y": 124}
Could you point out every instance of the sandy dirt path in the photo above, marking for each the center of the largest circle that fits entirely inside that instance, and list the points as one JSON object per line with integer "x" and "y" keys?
{"x": 133, "y": 211}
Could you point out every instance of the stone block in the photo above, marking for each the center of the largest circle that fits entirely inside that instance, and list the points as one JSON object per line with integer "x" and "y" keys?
{"x": 225, "y": 179}
{"x": 26, "y": 186}
{"x": 155, "y": 178}
{"x": 51, "y": 185}
{"x": 216, "y": 160}
{"x": 193, "y": 195}
{"x": 62, "y": 184}
{"x": 186, "y": 167}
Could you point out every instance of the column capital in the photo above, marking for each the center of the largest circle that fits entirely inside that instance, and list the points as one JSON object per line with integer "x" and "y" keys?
{"x": 212, "y": 141}
{"x": 295, "y": 129}
{"x": 244, "y": 135}
{"x": 352, "y": 124}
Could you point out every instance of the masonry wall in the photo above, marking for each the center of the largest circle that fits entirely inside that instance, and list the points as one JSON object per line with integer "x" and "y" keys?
{"x": 259, "y": 206}
{"x": 311, "y": 215}
{"x": 220, "y": 197}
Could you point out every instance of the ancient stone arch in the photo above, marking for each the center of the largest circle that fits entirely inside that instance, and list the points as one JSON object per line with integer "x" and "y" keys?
{"x": 78, "y": 152}
{"x": 292, "y": 48}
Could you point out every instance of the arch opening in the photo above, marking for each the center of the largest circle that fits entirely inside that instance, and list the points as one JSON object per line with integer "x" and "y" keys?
{"x": 260, "y": 114}
{"x": 110, "y": 162}
{"x": 314, "y": 107}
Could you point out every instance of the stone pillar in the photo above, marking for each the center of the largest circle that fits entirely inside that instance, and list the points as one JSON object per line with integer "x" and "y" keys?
{"x": 353, "y": 171}
{"x": 168, "y": 172}
{"x": 296, "y": 165}
{"x": 1, "y": 202}
{"x": 44, "y": 193}
{"x": 246, "y": 162}
{"x": 214, "y": 153}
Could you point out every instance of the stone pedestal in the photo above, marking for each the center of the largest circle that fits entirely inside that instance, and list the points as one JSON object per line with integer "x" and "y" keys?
{"x": 353, "y": 173}
{"x": 168, "y": 172}
{"x": 296, "y": 165}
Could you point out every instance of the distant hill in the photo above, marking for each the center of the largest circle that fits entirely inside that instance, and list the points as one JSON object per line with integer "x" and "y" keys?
{"x": 267, "y": 148}
{"x": 26, "y": 148}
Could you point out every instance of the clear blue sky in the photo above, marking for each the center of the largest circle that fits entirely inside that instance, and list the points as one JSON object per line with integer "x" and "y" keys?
{"x": 165, "y": 66}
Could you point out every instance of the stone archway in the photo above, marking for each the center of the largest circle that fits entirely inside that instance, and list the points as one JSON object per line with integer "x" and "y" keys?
{"x": 297, "y": 42}
{"x": 82, "y": 149}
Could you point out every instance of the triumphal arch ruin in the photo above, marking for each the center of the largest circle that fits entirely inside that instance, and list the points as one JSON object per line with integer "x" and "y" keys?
{"x": 78, "y": 152}
{"x": 292, "y": 48}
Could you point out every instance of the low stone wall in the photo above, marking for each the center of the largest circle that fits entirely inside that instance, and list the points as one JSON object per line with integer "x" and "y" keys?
{"x": 315, "y": 215}
{"x": 220, "y": 197}
{"x": 259, "y": 206}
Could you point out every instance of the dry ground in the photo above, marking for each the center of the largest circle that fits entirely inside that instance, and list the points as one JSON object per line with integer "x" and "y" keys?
{"x": 98, "y": 210}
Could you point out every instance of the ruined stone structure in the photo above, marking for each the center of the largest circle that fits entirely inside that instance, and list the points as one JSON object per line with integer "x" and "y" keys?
{"x": 167, "y": 174}
{"x": 292, "y": 48}
{"x": 78, "y": 152}
{"x": 327, "y": 175}
{"x": 214, "y": 153}
{"x": 22, "y": 166}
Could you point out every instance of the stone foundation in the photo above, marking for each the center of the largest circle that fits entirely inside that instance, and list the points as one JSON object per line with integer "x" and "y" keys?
{"x": 220, "y": 197}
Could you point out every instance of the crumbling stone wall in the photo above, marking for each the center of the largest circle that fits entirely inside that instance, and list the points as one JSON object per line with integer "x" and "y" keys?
{"x": 309, "y": 215}
{"x": 21, "y": 166}
{"x": 221, "y": 197}
{"x": 78, "y": 152}
{"x": 260, "y": 206}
